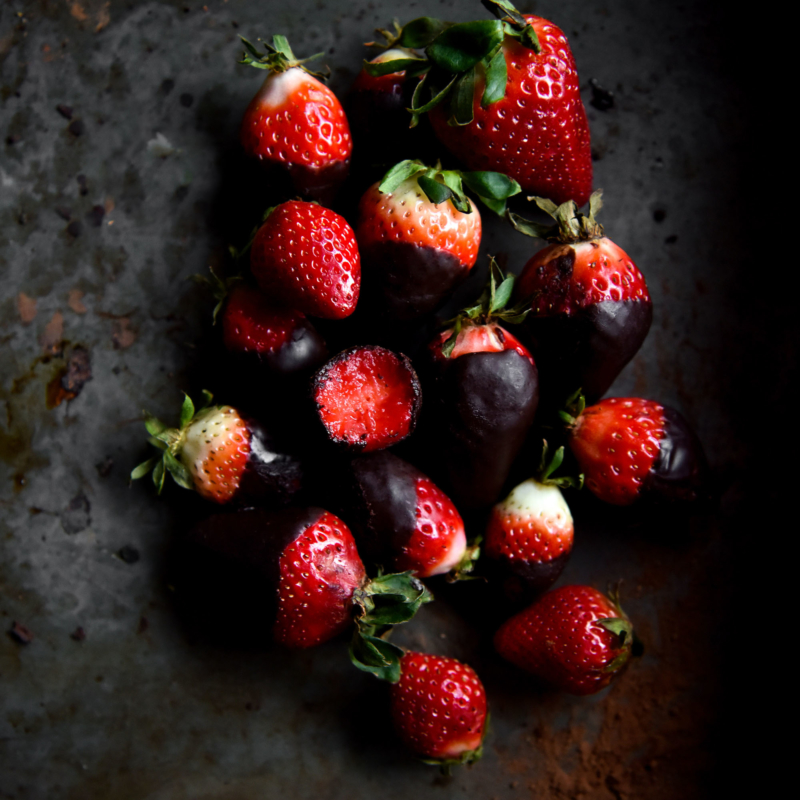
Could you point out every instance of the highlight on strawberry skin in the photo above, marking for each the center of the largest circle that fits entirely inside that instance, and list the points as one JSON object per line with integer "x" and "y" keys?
{"x": 367, "y": 398}
{"x": 223, "y": 455}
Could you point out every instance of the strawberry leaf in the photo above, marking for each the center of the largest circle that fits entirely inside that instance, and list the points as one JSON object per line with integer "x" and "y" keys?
{"x": 436, "y": 192}
{"x": 496, "y": 79}
{"x": 416, "y": 109}
{"x": 421, "y": 32}
{"x": 159, "y": 473}
{"x": 378, "y": 68}
{"x": 376, "y": 656}
{"x": 187, "y": 410}
{"x": 460, "y": 47}
{"x": 461, "y": 100}
{"x": 502, "y": 295}
{"x": 179, "y": 473}
{"x": 493, "y": 185}
{"x": 533, "y": 229}
{"x": 399, "y": 173}
{"x": 143, "y": 469}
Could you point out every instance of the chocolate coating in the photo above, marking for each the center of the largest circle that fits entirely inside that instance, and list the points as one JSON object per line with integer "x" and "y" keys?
{"x": 538, "y": 576}
{"x": 680, "y": 472}
{"x": 405, "y": 281}
{"x": 485, "y": 403}
{"x": 320, "y": 184}
{"x": 380, "y": 501}
{"x": 304, "y": 352}
{"x": 589, "y": 348}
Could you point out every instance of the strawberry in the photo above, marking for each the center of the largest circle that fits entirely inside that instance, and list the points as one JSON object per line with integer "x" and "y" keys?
{"x": 296, "y": 123}
{"x": 367, "y": 398}
{"x": 402, "y": 519}
{"x": 439, "y": 709}
{"x": 483, "y": 390}
{"x": 221, "y": 454}
{"x": 590, "y": 309}
{"x": 573, "y": 637}
{"x": 632, "y": 449}
{"x": 531, "y": 531}
{"x": 503, "y": 95}
{"x": 306, "y": 257}
{"x": 318, "y": 585}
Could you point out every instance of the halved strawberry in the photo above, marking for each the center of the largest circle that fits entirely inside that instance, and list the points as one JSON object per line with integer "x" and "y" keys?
{"x": 224, "y": 456}
{"x": 402, "y": 520}
{"x": 296, "y": 122}
{"x": 319, "y": 588}
{"x": 590, "y": 309}
{"x": 367, "y": 398}
{"x": 630, "y": 448}
{"x": 306, "y": 257}
{"x": 439, "y": 709}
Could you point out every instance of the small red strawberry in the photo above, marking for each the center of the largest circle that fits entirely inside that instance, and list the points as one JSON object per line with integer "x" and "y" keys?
{"x": 401, "y": 519}
{"x": 573, "y": 637}
{"x": 222, "y": 455}
{"x": 531, "y": 532}
{"x": 439, "y": 709}
{"x": 305, "y": 256}
{"x": 367, "y": 398}
{"x": 590, "y": 309}
{"x": 296, "y": 122}
{"x": 482, "y": 393}
{"x": 630, "y": 448}
{"x": 320, "y": 588}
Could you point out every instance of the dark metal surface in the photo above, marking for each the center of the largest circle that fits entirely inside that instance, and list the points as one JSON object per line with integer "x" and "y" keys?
{"x": 119, "y": 124}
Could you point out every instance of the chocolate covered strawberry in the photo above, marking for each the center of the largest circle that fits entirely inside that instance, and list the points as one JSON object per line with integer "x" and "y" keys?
{"x": 223, "y": 455}
{"x": 573, "y": 637}
{"x": 317, "y": 583}
{"x": 482, "y": 395}
{"x": 402, "y": 520}
{"x": 632, "y": 449}
{"x": 439, "y": 709}
{"x": 531, "y": 532}
{"x": 305, "y": 257}
{"x": 419, "y": 234}
{"x": 296, "y": 123}
{"x": 590, "y": 309}
{"x": 367, "y": 398}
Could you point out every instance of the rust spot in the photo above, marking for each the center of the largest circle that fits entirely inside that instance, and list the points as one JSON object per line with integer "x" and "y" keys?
{"x": 75, "y": 301}
{"x": 26, "y": 307}
{"x": 123, "y": 335}
{"x": 53, "y": 334}
{"x": 77, "y": 11}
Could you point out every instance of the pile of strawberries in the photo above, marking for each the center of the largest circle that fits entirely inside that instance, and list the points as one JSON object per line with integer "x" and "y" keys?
{"x": 352, "y": 477}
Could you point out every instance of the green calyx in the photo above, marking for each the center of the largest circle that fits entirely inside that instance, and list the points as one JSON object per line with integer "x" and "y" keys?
{"x": 456, "y": 56}
{"x": 573, "y": 408}
{"x": 571, "y": 225}
{"x": 547, "y": 466}
{"x": 169, "y": 441}
{"x": 278, "y": 57}
{"x": 382, "y": 603}
{"x": 463, "y": 570}
{"x": 446, "y": 764}
{"x": 440, "y": 185}
{"x": 628, "y": 642}
{"x": 492, "y": 306}
{"x": 219, "y": 287}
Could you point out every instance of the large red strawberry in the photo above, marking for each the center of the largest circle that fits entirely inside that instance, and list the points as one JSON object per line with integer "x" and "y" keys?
{"x": 305, "y": 256}
{"x": 503, "y": 95}
{"x": 296, "y": 122}
{"x": 631, "y": 449}
{"x": 308, "y": 559}
{"x": 481, "y": 396}
{"x": 439, "y": 709}
{"x": 590, "y": 309}
{"x": 223, "y": 455}
{"x": 573, "y": 637}
{"x": 531, "y": 531}
{"x": 401, "y": 519}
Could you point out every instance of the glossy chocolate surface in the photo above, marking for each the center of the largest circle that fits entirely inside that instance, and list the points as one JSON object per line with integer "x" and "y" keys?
{"x": 485, "y": 403}
{"x": 322, "y": 184}
{"x": 589, "y": 348}
{"x": 304, "y": 352}
{"x": 404, "y": 281}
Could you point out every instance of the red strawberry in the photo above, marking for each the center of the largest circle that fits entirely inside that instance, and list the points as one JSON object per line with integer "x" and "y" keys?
{"x": 222, "y": 455}
{"x": 590, "y": 309}
{"x": 416, "y": 245}
{"x": 367, "y": 398}
{"x": 629, "y": 448}
{"x": 308, "y": 558}
{"x": 296, "y": 122}
{"x": 439, "y": 709}
{"x": 402, "y": 519}
{"x": 281, "y": 339}
{"x": 573, "y": 637}
{"x": 306, "y": 257}
{"x": 531, "y": 532}
{"x": 521, "y": 113}
{"x": 483, "y": 393}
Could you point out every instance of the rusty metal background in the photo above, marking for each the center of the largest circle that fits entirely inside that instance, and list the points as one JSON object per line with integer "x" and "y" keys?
{"x": 118, "y": 180}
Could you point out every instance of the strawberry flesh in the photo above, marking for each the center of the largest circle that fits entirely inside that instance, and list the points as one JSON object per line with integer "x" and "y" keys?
{"x": 367, "y": 398}
{"x": 439, "y": 708}
{"x": 560, "y": 640}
